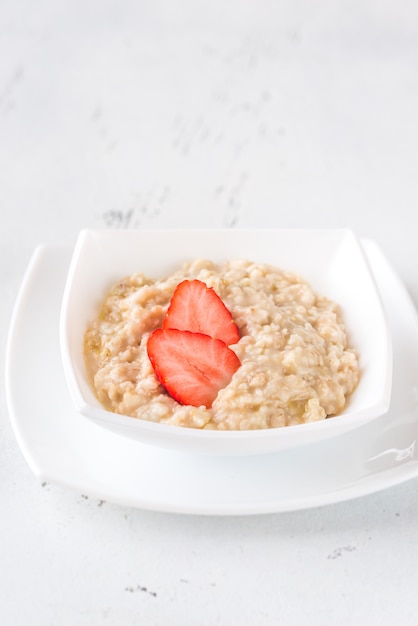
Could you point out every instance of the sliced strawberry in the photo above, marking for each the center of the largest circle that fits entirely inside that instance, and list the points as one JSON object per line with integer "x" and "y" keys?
{"x": 192, "y": 367}
{"x": 197, "y": 308}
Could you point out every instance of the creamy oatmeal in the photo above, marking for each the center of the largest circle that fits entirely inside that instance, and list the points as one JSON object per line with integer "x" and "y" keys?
{"x": 296, "y": 364}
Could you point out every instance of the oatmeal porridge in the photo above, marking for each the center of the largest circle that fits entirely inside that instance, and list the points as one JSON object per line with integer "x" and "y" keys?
{"x": 296, "y": 365}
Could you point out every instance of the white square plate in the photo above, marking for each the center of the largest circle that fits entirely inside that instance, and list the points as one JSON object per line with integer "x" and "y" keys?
{"x": 61, "y": 446}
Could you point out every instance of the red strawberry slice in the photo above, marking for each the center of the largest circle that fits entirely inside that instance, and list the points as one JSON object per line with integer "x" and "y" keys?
{"x": 197, "y": 308}
{"x": 192, "y": 367}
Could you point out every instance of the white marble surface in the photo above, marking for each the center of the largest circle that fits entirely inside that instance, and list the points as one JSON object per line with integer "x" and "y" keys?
{"x": 161, "y": 114}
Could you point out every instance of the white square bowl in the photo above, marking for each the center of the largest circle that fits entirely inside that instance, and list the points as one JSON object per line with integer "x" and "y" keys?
{"x": 331, "y": 260}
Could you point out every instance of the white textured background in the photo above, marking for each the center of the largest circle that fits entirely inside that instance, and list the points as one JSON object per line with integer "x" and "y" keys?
{"x": 234, "y": 113}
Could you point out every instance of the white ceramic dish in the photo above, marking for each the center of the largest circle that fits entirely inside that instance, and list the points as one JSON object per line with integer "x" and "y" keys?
{"x": 332, "y": 260}
{"x": 62, "y": 447}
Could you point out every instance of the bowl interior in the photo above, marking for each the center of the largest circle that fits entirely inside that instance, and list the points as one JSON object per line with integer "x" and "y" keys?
{"x": 331, "y": 260}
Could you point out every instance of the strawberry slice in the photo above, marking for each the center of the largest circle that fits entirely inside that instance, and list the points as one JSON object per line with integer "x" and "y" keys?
{"x": 197, "y": 308}
{"x": 192, "y": 367}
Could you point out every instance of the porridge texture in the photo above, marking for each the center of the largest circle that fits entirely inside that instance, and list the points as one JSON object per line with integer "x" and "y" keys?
{"x": 296, "y": 364}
